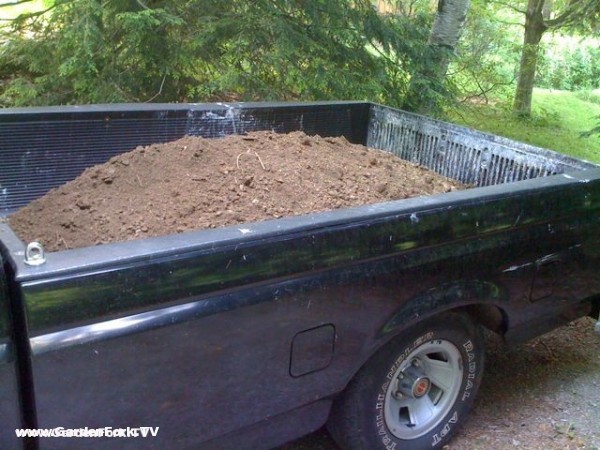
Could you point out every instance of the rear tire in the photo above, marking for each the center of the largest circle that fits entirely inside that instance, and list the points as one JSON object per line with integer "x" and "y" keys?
{"x": 416, "y": 391}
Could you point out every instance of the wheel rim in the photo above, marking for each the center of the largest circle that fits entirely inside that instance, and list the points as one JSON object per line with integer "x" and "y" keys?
{"x": 423, "y": 389}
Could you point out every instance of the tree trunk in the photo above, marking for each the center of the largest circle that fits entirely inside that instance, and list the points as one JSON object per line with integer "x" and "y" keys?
{"x": 534, "y": 29}
{"x": 446, "y": 30}
{"x": 444, "y": 36}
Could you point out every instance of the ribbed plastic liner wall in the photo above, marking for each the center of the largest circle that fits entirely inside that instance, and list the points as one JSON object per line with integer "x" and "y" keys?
{"x": 43, "y": 148}
{"x": 471, "y": 157}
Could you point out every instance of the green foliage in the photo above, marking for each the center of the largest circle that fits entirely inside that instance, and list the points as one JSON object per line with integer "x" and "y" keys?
{"x": 90, "y": 51}
{"x": 589, "y": 96}
{"x": 570, "y": 63}
{"x": 86, "y": 51}
{"x": 594, "y": 131}
{"x": 487, "y": 56}
{"x": 96, "y": 51}
{"x": 559, "y": 122}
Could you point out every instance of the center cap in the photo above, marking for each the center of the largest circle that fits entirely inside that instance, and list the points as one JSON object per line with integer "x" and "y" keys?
{"x": 421, "y": 387}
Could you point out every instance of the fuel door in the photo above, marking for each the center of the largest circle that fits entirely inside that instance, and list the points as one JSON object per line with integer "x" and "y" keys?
{"x": 312, "y": 350}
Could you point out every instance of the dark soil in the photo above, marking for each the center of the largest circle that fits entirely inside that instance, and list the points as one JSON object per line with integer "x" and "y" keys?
{"x": 197, "y": 183}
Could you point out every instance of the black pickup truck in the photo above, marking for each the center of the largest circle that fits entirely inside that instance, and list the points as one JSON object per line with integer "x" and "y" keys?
{"x": 368, "y": 319}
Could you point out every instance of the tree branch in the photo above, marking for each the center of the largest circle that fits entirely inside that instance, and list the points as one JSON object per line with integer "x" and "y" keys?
{"x": 510, "y": 6}
{"x": 31, "y": 15}
{"x": 159, "y": 90}
{"x": 514, "y": 24}
{"x": 15, "y": 3}
{"x": 575, "y": 11}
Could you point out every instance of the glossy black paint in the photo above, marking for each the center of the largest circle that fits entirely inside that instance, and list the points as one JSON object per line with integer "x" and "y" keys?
{"x": 210, "y": 335}
{"x": 10, "y": 411}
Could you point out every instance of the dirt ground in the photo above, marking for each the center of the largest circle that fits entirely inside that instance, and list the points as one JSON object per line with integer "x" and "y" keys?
{"x": 197, "y": 183}
{"x": 543, "y": 395}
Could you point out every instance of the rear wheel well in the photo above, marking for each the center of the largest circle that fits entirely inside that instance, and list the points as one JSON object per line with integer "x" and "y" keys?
{"x": 490, "y": 316}
{"x": 595, "y": 307}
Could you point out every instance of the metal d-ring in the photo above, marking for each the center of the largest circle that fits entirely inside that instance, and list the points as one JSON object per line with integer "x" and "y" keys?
{"x": 34, "y": 254}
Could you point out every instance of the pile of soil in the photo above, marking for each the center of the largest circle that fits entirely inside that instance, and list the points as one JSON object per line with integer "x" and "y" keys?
{"x": 196, "y": 183}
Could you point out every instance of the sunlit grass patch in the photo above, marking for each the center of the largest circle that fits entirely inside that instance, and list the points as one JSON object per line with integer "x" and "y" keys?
{"x": 559, "y": 118}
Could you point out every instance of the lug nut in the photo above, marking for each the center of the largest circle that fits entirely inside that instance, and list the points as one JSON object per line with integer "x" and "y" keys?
{"x": 398, "y": 395}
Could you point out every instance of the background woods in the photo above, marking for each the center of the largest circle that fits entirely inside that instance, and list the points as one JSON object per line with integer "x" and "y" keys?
{"x": 437, "y": 57}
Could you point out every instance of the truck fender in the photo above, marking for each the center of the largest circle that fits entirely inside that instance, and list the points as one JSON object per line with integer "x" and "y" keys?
{"x": 481, "y": 299}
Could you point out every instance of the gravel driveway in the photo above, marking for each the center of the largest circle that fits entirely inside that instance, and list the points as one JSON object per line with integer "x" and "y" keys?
{"x": 541, "y": 395}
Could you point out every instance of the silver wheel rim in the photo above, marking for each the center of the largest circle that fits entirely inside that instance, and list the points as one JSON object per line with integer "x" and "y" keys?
{"x": 423, "y": 389}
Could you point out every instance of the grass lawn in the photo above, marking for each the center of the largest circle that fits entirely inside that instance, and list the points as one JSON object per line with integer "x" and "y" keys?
{"x": 559, "y": 118}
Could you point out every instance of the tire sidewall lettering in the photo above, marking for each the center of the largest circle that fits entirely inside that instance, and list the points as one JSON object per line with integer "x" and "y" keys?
{"x": 467, "y": 385}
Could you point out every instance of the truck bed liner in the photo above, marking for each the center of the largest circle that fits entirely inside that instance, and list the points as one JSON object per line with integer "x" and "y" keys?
{"x": 42, "y": 148}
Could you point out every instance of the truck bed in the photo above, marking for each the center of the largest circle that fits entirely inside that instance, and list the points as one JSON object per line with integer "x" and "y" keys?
{"x": 274, "y": 318}
{"x": 75, "y": 138}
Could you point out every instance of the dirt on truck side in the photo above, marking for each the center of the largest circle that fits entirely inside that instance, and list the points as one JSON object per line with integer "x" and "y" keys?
{"x": 196, "y": 183}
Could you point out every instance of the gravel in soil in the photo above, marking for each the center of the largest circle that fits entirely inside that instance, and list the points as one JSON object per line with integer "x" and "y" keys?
{"x": 543, "y": 395}
{"x": 195, "y": 183}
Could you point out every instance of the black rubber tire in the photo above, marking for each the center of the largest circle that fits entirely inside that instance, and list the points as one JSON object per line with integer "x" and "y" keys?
{"x": 357, "y": 420}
